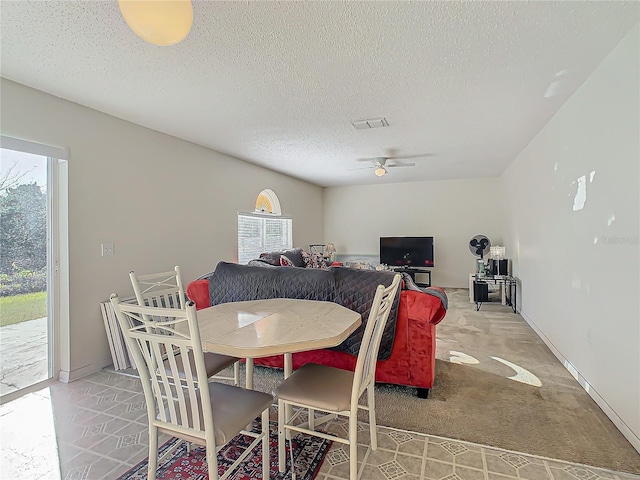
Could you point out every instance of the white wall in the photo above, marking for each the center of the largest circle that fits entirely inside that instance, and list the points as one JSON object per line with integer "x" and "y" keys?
{"x": 451, "y": 211}
{"x": 580, "y": 267}
{"x": 161, "y": 200}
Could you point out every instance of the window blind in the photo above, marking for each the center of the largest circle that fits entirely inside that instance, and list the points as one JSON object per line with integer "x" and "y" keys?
{"x": 258, "y": 233}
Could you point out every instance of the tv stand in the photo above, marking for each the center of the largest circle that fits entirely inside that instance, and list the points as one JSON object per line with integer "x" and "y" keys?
{"x": 412, "y": 273}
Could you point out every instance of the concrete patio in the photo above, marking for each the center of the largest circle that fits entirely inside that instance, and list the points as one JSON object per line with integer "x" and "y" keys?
{"x": 23, "y": 355}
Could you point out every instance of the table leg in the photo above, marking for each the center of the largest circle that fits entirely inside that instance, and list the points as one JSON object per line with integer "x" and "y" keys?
{"x": 249, "y": 385}
{"x": 288, "y": 370}
{"x": 249, "y": 373}
{"x": 288, "y": 365}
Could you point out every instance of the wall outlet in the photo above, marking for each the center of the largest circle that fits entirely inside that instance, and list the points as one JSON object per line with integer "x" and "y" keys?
{"x": 108, "y": 250}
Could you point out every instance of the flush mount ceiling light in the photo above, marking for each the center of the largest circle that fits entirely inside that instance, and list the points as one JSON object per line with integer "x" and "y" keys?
{"x": 161, "y": 22}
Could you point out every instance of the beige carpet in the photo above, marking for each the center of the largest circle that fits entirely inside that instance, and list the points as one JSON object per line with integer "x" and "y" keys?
{"x": 477, "y": 402}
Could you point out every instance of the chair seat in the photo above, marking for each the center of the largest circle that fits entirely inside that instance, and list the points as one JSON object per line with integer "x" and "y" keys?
{"x": 213, "y": 362}
{"x": 232, "y": 408}
{"x": 318, "y": 386}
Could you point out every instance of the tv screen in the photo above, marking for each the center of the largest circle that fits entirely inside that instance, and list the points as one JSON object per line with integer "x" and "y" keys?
{"x": 406, "y": 251}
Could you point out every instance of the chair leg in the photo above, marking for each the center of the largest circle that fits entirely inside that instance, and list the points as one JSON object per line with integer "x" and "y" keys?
{"x": 212, "y": 463}
{"x": 371, "y": 403}
{"x": 293, "y": 460}
{"x": 153, "y": 452}
{"x": 266, "y": 461}
{"x": 353, "y": 447}
{"x": 282, "y": 463}
{"x": 312, "y": 419}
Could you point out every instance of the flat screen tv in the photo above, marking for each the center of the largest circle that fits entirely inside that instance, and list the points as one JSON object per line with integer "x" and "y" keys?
{"x": 406, "y": 251}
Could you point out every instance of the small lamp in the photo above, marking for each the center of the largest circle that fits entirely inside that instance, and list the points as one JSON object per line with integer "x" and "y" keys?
{"x": 498, "y": 263}
{"x": 161, "y": 22}
{"x": 331, "y": 250}
{"x": 380, "y": 171}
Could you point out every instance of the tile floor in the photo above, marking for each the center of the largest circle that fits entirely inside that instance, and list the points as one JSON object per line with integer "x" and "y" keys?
{"x": 95, "y": 428}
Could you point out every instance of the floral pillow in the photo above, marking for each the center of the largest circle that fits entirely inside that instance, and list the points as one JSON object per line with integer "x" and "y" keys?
{"x": 314, "y": 260}
{"x": 285, "y": 262}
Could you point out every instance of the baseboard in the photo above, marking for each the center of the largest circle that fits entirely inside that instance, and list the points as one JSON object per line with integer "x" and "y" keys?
{"x": 66, "y": 376}
{"x": 634, "y": 440}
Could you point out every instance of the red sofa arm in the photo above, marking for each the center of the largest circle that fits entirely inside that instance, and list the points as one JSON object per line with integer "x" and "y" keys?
{"x": 198, "y": 293}
{"x": 424, "y": 307}
{"x": 423, "y": 312}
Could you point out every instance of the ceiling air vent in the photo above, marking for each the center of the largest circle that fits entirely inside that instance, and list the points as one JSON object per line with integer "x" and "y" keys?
{"x": 370, "y": 123}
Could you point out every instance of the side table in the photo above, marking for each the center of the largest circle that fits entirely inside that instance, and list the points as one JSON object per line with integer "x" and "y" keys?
{"x": 478, "y": 289}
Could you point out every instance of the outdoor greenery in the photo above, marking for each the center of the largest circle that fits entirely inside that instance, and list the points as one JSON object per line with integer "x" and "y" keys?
{"x": 19, "y": 308}
{"x": 23, "y": 237}
{"x": 23, "y": 249}
{"x": 23, "y": 281}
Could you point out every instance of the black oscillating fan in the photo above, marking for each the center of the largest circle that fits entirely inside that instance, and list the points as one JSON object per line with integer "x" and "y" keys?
{"x": 479, "y": 246}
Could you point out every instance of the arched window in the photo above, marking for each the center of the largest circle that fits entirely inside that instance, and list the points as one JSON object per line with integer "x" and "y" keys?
{"x": 265, "y": 229}
{"x": 267, "y": 202}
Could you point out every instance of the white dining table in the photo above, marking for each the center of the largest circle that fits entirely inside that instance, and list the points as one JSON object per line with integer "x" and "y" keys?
{"x": 277, "y": 326}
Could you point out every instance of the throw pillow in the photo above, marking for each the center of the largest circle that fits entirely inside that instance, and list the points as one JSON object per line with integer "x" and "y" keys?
{"x": 314, "y": 260}
{"x": 272, "y": 258}
{"x": 285, "y": 262}
{"x": 295, "y": 255}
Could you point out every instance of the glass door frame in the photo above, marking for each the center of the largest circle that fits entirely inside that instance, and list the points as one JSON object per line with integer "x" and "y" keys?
{"x": 57, "y": 258}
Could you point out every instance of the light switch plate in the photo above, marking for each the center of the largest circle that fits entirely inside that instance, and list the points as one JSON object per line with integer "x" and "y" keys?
{"x": 108, "y": 249}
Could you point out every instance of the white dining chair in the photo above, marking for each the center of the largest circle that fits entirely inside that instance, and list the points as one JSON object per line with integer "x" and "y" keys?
{"x": 337, "y": 392}
{"x": 181, "y": 402}
{"x": 166, "y": 290}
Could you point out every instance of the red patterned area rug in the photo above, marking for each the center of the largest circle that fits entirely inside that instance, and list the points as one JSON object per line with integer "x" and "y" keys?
{"x": 308, "y": 452}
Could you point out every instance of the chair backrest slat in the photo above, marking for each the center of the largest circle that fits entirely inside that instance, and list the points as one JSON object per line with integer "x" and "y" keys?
{"x": 166, "y": 346}
{"x": 162, "y": 290}
{"x": 365, "y": 370}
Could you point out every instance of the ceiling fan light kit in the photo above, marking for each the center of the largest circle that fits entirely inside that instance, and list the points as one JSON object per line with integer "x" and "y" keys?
{"x": 380, "y": 164}
{"x": 160, "y": 22}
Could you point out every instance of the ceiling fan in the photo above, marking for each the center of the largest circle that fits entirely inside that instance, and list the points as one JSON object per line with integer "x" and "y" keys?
{"x": 380, "y": 164}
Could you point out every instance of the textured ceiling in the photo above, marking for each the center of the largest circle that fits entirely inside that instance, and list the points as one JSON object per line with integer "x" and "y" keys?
{"x": 279, "y": 83}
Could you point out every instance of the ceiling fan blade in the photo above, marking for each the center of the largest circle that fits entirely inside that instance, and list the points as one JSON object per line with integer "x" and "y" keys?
{"x": 362, "y": 168}
{"x": 401, "y": 165}
{"x": 409, "y": 157}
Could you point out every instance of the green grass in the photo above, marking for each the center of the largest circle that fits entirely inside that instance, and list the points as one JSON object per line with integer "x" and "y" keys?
{"x": 20, "y": 308}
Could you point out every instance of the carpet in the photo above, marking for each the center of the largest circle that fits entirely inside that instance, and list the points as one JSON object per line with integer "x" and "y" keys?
{"x": 475, "y": 397}
{"x": 309, "y": 453}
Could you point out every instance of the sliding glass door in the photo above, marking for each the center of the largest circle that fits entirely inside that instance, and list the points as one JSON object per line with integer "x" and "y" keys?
{"x": 29, "y": 268}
